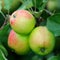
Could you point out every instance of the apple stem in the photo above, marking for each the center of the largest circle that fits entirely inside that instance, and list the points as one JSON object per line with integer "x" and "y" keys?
{"x": 5, "y": 22}
{"x": 2, "y": 14}
{"x": 50, "y": 13}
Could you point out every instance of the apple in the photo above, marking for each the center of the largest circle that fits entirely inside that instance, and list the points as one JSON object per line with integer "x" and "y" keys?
{"x": 18, "y": 43}
{"x": 41, "y": 41}
{"x": 51, "y": 5}
{"x": 14, "y": 5}
{"x": 22, "y": 21}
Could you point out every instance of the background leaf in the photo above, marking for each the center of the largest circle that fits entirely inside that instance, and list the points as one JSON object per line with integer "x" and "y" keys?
{"x": 2, "y": 56}
{"x": 26, "y": 4}
{"x": 7, "y": 4}
{"x": 56, "y": 57}
{"x": 1, "y": 20}
{"x": 0, "y": 5}
{"x": 53, "y": 24}
{"x": 4, "y": 34}
{"x": 3, "y": 49}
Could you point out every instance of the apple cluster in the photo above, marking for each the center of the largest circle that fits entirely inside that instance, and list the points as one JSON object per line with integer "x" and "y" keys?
{"x": 22, "y": 23}
{"x": 25, "y": 36}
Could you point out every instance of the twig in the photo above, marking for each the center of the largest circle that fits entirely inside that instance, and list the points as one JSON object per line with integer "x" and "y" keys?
{"x": 5, "y": 22}
{"x": 35, "y": 5}
{"x": 50, "y": 13}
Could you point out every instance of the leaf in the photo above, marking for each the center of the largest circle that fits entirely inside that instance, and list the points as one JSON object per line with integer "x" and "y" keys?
{"x": 0, "y": 5}
{"x": 58, "y": 4}
{"x": 53, "y": 58}
{"x": 53, "y": 24}
{"x": 39, "y": 6}
{"x": 4, "y": 34}
{"x": 2, "y": 56}
{"x": 36, "y": 57}
{"x": 7, "y": 4}
{"x": 26, "y": 5}
{"x": 37, "y": 3}
{"x": 3, "y": 50}
{"x": 1, "y": 20}
{"x": 57, "y": 44}
{"x": 42, "y": 7}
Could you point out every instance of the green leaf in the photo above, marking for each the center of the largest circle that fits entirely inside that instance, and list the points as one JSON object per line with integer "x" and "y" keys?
{"x": 7, "y": 4}
{"x": 2, "y": 56}
{"x": 37, "y": 3}
{"x": 36, "y": 57}
{"x": 42, "y": 7}
{"x": 39, "y": 6}
{"x": 53, "y": 24}
{"x": 26, "y": 5}
{"x": 0, "y": 5}
{"x": 53, "y": 58}
{"x": 4, "y": 34}
{"x": 1, "y": 20}
{"x": 3, "y": 49}
{"x": 58, "y": 4}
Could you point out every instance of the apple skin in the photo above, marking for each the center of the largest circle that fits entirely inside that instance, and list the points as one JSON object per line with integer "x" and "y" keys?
{"x": 22, "y": 21}
{"x": 41, "y": 41}
{"x": 18, "y": 43}
{"x": 14, "y": 5}
{"x": 51, "y": 5}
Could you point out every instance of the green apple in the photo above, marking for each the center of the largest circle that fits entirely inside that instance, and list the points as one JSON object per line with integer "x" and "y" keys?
{"x": 14, "y": 5}
{"x": 51, "y": 5}
{"x": 18, "y": 43}
{"x": 41, "y": 40}
{"x": 22, "y": 21}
